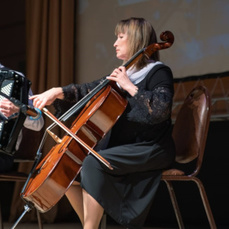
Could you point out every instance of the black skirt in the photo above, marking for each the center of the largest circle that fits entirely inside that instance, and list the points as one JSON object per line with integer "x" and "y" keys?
{"x": 126, "y": 192}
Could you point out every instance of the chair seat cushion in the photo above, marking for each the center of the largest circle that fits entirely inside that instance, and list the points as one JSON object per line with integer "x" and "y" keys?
{"x": 172, "y": 172}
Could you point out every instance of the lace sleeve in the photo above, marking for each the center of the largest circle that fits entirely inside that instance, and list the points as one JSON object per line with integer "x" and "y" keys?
{"x": 153, "y": 102}
{"x": 151, "y": 107}
{"x": 72, "y": 94}
{"x": 75, "y": 92}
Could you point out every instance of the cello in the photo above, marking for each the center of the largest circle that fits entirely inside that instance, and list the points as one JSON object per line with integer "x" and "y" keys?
{"x": 102, "y": 107}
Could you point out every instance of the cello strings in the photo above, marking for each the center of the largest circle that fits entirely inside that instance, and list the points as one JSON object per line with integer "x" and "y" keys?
{"x": 90, "y": 95}
{"x": 105, "y": 162}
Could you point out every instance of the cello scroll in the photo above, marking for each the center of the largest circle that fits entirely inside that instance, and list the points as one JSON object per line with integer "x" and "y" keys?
{"x": 166, "y": 36}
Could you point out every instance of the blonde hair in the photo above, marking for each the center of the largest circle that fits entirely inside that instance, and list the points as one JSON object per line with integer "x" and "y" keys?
{"x": 140, "y": 35}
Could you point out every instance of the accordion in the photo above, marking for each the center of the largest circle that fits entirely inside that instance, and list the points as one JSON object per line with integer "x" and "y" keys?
{"x": 17, "y": 86}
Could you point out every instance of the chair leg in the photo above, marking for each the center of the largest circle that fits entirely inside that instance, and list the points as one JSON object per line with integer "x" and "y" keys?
{"x": 39, "y": 220}
{"x": 1, "y": 219}
{"x": 103, "y": 223}
{"x": 205, "y": 202}
{"x": 175, "y": 204}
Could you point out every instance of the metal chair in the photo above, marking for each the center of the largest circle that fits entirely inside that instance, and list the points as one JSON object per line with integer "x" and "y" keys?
{"x": 190, "y": 133}
{"x": 24, "y": 155}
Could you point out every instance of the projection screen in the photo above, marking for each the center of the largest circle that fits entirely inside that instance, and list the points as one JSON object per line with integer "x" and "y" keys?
{"x": 200, "y": 27}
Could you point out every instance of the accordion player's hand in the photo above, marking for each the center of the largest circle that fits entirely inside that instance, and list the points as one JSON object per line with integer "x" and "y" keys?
{"x": 7, "y": 108}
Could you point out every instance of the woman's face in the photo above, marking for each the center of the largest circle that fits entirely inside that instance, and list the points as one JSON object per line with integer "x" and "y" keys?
{"x": 122, "y": 47}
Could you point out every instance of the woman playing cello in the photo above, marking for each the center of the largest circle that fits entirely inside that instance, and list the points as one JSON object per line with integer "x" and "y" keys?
{"x": 140, "y": 144}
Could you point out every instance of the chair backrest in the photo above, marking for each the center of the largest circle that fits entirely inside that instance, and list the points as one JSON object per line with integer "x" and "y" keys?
{"x": 191, "y": 126}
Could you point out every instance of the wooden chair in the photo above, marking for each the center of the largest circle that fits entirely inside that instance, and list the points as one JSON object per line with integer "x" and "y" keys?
{"x": 190, "y": 133}
{"x": 22, "y": 156}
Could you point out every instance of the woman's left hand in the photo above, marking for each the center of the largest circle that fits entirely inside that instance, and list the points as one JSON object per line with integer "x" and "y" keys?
{"x": 119, "y": 75}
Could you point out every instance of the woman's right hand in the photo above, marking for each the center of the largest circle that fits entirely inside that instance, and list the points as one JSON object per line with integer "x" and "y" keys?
{"x": 47, "y": 98}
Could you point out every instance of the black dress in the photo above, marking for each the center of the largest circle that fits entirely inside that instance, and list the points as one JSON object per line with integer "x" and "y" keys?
{"x": 140, "y": 147}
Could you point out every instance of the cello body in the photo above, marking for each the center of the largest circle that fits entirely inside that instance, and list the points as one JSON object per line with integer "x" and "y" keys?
{"x": 60, "y": 167}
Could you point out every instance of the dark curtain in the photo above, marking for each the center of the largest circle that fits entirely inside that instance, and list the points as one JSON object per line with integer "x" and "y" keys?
{"x": 50, "y": 59}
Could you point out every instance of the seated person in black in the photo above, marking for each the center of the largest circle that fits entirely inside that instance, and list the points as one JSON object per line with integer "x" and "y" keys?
{"x": 140, "y": 145}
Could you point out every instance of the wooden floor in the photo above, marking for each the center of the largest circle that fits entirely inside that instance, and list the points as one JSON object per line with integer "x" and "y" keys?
{"x": 78, "y": 226}
{"x": 65, "y": 226}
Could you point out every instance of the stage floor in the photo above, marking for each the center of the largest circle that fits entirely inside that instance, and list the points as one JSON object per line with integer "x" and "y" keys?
{"x": 78, "y": 226}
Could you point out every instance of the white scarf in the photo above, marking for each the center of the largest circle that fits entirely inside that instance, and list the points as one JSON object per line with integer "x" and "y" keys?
{"x": 137, "y": 76}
